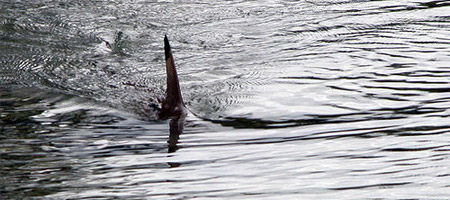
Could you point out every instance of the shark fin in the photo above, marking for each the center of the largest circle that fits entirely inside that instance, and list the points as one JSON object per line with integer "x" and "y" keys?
{"x": 173, "y": 105}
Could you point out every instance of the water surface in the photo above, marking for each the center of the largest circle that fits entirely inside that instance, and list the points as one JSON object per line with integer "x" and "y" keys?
{"x": 294, "y": 100}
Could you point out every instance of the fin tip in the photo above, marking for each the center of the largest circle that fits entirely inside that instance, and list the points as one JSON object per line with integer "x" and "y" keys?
{"x": 166, "y": 47}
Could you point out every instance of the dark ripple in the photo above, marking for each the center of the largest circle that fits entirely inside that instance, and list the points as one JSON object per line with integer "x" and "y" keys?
{"x": 381, "y": 185}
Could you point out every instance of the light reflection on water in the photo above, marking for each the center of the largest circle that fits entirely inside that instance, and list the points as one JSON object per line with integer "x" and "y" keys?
{"x": 294, "y": 99}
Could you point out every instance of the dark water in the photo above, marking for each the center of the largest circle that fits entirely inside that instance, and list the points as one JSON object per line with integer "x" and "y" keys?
{"x": 295, "y": 100}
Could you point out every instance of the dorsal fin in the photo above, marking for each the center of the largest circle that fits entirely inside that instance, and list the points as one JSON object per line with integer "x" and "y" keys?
{"x": 173, "y": 86}
{"x": 172, "y": 105}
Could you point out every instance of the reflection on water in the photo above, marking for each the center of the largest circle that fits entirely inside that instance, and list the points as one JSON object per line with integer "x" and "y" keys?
{"x": 175, "y": 130}
{"x": 293, "y": 99}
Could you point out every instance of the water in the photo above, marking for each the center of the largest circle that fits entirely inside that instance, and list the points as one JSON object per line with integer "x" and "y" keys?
{"x": 294, "y": 100}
